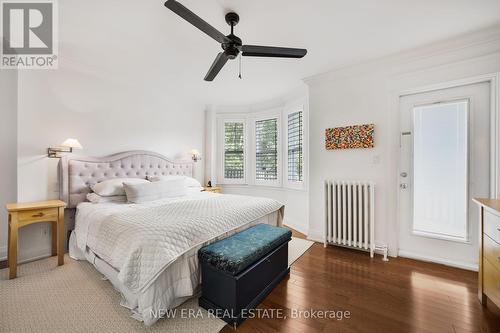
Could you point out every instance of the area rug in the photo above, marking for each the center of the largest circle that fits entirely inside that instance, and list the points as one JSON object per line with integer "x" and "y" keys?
{"x": 75, "y": 298}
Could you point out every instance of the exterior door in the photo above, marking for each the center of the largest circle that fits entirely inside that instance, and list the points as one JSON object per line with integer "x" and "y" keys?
{"x": 444, "y": 163}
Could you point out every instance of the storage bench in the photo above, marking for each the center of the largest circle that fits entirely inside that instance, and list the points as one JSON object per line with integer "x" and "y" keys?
{"x": 238, "y": 272}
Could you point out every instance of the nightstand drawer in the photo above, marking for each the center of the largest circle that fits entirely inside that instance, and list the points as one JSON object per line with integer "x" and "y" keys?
{"x": 491, "y": 251}
{"x": 491, "y": 278}
{"x": 491, "y": 226}
{"x": 38, "y": 215}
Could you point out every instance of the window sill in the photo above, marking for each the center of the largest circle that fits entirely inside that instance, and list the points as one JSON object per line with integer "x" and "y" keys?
{"x": 263, "y": 187}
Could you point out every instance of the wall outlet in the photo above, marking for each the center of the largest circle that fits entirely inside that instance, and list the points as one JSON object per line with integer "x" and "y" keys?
{"x": 45, "y": 230}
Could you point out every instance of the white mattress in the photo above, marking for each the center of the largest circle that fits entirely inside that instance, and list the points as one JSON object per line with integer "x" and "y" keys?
{"x": 178, "y": 282}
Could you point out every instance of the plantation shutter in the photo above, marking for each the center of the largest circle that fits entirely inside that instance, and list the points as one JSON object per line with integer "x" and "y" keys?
{"x": 234, "y": 150}
{"x": 266, "y": 148}
{"x": 295, "y": 147}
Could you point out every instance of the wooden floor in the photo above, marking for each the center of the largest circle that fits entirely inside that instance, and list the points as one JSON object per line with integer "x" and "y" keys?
{"x": 402, "y": 295}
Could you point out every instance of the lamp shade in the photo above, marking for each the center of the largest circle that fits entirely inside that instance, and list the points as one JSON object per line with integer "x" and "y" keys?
{"x": 71, "y": 143}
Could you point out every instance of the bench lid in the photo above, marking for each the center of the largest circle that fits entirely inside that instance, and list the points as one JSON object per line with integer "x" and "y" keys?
{"x": 235, "y": 253}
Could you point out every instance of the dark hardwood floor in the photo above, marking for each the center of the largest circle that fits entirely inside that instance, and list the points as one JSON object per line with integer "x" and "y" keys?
{"x": 402, "y": 295}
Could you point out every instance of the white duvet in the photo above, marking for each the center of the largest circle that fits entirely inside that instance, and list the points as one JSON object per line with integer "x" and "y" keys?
{"x": 142, "y": 240}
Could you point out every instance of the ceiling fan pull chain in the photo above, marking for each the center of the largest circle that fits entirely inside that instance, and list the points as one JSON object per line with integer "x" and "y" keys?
{"x": 240, "y": 67}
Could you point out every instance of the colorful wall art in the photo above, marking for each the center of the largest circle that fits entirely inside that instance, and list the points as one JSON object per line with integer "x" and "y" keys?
{"x": 350, "y": 137}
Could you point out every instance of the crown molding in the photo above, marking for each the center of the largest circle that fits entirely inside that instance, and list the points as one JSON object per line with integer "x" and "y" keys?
{"x": 472, "y": 45}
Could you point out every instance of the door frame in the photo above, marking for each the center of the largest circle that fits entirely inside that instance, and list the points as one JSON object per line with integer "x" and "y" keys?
{"x": 494, "y": 80}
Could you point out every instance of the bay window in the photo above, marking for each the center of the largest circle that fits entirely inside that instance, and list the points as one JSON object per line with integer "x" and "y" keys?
{"x": 234, "y": 152}
{"x": 266, "y": 150}
{"x": 262, "y": 148}
{"x": 295, "y": 148}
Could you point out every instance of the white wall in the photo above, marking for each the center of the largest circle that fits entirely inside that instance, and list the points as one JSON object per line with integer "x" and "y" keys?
{"x": 295, "y": 200}
{"x": 8, "y": 150}
{"x": 55, "y": 105}
{"x": 115, "y": 90}
{"x": 368, "y": 93}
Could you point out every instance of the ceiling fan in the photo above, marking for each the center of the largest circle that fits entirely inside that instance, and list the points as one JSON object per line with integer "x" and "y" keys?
{"x": 231, "y": 44}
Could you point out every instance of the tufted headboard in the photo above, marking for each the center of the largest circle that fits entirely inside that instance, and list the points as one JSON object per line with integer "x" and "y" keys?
{"x": 77, "y": 173}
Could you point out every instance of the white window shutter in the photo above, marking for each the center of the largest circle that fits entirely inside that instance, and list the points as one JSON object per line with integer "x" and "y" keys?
{"x": 295, "y": 147}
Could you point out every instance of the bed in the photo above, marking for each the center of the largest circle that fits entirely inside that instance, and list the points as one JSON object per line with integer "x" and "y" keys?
{"x": 149, "y": 251}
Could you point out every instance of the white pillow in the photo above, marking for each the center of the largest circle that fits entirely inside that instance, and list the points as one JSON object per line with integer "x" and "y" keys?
{"x": 140, "y": 193}
{"x": 194, "y": 190}
{"x": 96, "y": 198}
{"x": 114, "y": 186}
{"x": 190, "y": 182}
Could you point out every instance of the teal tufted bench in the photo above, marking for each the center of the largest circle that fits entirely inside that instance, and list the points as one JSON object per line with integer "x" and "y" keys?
{"x": 233, "y": 254}
{"x": 239, "y": 271}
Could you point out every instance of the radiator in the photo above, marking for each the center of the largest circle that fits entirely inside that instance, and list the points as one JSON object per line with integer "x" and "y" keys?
{"x": 350, "y": 215}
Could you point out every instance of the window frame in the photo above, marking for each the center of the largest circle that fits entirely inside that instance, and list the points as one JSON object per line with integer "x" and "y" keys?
{"x": 271, "y": 114}
{"x": 297, "y": 185}
{"x": 221, "y": 143}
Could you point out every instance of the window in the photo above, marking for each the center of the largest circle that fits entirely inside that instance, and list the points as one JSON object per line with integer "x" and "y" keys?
{"x": 295, "y": 147}
{"x": 234, "y": 157}
{"x": 266, "y": 150}
{"x": 440, "y": 170}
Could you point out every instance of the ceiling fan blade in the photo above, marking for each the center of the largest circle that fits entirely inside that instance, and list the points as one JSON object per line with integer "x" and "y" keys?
{"x": 217, "y": 65}
{"x": 271, "y": 51}
{"x": 195, "y": 20}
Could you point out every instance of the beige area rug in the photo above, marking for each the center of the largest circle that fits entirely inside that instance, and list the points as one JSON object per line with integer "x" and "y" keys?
{"x": 74, "y": 298}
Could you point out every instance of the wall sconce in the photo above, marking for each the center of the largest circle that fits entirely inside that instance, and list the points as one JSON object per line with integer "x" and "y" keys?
{"x": 195, "y": 155}
{"x": 66, "y": 147}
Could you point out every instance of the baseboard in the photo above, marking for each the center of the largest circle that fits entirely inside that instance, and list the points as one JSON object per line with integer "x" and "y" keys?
{"x": 3, "y": 253}
{"x": 315, "y": 236}
{"x": 442, "y": 261}
{"x": 34, "y": 257}
{"x": 28, "y": 256}
{"x": 294, "y": 226}
{"x": 315, "y": 239}
{"x": 320, "y": 239}
{"x": 5, "y": 263}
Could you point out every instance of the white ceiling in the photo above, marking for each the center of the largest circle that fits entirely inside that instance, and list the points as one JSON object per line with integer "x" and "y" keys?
{"x": 144, "y": 45}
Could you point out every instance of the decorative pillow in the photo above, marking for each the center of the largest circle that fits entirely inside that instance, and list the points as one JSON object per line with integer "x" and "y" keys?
{"x": 112, "y": 187}
{"x": 190, "y": 182}
{"x": 96, "y": 198}
{"x": 140, "y": 193}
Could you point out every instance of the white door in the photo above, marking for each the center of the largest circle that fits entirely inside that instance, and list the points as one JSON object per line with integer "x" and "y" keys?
{"x": 444, "y": 163}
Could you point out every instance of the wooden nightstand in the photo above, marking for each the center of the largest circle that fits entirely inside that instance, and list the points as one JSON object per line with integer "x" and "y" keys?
{"x": 22, "y": 214}
{"x": 213, "y": 189}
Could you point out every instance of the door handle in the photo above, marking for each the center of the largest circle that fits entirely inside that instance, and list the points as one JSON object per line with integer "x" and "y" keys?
{"x": 403, "y": 174}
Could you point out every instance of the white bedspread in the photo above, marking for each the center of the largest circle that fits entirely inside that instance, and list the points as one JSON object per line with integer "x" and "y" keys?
{"x": 142, "y": 240}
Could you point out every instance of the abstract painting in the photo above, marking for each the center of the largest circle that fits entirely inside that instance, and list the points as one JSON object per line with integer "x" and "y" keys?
{"x": 349, "y": 137}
